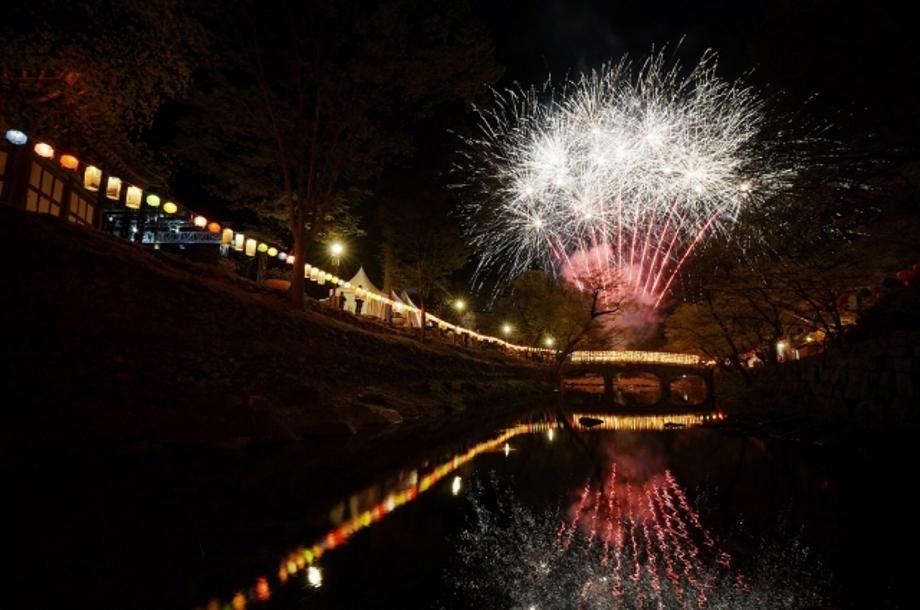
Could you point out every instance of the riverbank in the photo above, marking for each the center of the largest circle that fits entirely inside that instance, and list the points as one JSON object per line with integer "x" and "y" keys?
{"x": 867, "y": 384}
{"x": 133, "y": 350}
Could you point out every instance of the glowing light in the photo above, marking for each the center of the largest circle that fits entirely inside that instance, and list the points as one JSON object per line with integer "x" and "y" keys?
{"x": 551, "y": 434}
{"x": 16, "y": 137}
{"x": 92, "y": 178}
{"x": 314, "y": 577}
{"x": 239, "y": 241}
{"x": 459, "y": 304}
{"x": 455, "y": 486}
{"x": 507, "y": 329}
{"x": 200, "y": 222}
{"x": 506, "y": 449}
{"x": 549, "y": 342}
{"x": 263, "y": 247}
{"x": 226, "y": 238}
{"x": 632, "y": 166}
{"x": 336, "y": 248}
{"x": 170, "y": 208}
{"x": 69, "y": 162}
{"x": 133, "y": 197}
{"x": 601, "y": 356}
{"x": 213, "y": 227}
{"x": 44, "y": 150}
{"x": 282, "y": 256}
{"x": 250, "y": 247}
{"x": 273, "y": 251}
{"x": 153, "y": 200}
{"x": 113, "y": 188}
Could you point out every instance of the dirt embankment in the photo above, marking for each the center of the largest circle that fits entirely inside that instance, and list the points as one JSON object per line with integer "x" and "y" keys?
{"x": 111, "y": 344}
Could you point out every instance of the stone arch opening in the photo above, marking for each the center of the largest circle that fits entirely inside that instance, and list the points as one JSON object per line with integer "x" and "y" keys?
{"x": 689, "y": 390}
{"x": 635, "y": 388}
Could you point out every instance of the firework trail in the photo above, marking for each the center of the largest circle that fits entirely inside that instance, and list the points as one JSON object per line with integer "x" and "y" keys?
{"x": 627, "y": 169}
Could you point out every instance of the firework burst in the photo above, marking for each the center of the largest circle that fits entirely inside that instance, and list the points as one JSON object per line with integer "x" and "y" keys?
{"x": 628, "y": 168}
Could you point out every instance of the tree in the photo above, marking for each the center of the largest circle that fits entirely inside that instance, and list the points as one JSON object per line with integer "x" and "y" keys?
{"x": 532, "y": 305}
{"x": 91, "y": 76}
{"x": 304, "y": 102}
{"x": 425, "y": 250}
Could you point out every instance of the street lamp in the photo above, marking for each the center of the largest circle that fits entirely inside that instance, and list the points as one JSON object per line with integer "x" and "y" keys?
{"x": 549, "y": 342}
{"x": 460, "y": 305}
{"x": 336, "y": 249}
{"x": 507, "y": 329}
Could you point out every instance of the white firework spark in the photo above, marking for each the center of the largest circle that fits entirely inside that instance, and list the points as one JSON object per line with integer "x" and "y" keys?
{"x": 629, "y": 167}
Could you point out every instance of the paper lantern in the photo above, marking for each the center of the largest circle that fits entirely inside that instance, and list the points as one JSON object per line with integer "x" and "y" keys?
{"x": 273, "y": 251}
{"x": 44, "y": 150}
{"x": 282, "y": 256}
{"x": 213, "y": 227}
{"x": 153, "y": 200}
{"x": 170, "y": 208}
{"x": 290, "y": 259}
{"x": 250, "y": 247}
{"x": 238, "y": 240}
{"x": 16, "y": 137}
{"x": 92, "y": 178}
{"x": 133, "y": 198}
{"x": 263, "y": 247}
{"x": 69, "y": 162}
{"x": 226, "y": 237}
{"x": 113, "y": 188}
{"x": 200, "y": 221}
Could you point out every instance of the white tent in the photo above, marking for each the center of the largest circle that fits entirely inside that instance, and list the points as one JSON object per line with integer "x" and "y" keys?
{"x": 415, "y": 317}
{"x": 361, "y": 287}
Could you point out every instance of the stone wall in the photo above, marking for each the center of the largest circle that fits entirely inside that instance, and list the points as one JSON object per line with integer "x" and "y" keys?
{"x": 876, "y": 380}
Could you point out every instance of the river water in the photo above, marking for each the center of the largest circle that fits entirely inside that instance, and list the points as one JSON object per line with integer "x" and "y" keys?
{"x": 604, "y": 511}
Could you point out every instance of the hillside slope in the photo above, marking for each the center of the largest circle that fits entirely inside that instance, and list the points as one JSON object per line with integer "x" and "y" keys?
{"x": 113, "y": 343}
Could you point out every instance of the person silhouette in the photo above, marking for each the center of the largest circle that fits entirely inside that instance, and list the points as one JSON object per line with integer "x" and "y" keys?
{"x": 359, "y": 302}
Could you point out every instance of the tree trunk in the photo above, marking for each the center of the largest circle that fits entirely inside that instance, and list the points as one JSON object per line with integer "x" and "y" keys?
{"x": 297, "y": 281}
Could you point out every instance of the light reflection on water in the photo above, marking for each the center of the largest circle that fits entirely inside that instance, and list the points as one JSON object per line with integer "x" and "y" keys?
{"x": 371, "y": 505}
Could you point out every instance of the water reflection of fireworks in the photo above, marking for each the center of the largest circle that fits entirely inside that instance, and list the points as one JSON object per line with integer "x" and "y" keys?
{"x": 631, "y": 541}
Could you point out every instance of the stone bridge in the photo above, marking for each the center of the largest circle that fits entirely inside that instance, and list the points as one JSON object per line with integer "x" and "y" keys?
{"x": 666, "y": 367}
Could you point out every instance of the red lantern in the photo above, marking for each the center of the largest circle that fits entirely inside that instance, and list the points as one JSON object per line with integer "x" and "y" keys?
{"x": 213, "y": 228}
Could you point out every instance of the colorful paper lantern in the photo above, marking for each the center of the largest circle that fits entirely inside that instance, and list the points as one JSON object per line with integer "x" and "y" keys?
{"x": 170, "y": 208}
{"x": 213, "y": 227}
{"x": 16, "y": 137}
{"x": 113, "y": 188}
{"x": 69, "y": 162}
{"x": 273, "y": 251}
{"x": 282, "y": 256}
{"x": 92, "y": 178}
{"x": 263, "y": 247}
{"x": 44, "y": 150}
{"x": 133, "y": 198}
{"x": 226, "y": 237}
{"x": 200, "y": 222}
{"x": 238, "y": 241}
{"x": 153, "y": 200}
{"x": 250, "y": 247}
